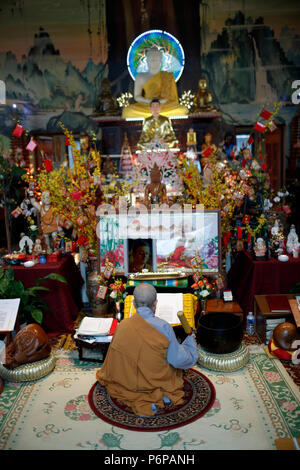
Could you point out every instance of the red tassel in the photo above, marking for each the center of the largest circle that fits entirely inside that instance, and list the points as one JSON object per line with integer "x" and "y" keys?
{"x": 239, "y": 232}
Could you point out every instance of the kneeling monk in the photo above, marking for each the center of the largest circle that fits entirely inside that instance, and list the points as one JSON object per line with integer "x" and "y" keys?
{"x": 144, "y": 362}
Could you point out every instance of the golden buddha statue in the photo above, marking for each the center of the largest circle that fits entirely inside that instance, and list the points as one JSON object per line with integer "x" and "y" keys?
{"x": 155, "y": 191}
{"x": 203, "y": 98}
{"x": 157, "y": 129}
{"x": 154, "y": 84}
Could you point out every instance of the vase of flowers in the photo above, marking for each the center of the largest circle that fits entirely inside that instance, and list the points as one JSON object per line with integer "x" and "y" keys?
{"x": 117, "y": 294}
{"x": 203, "y": 288}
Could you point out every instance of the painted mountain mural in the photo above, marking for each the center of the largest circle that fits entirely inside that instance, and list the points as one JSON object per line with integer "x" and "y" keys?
{"x": 245, "y": 63}
{"x": 44, "y": 79}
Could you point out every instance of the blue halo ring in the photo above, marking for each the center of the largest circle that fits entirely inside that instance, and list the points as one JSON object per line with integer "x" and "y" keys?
{"x": 172, "y": 53}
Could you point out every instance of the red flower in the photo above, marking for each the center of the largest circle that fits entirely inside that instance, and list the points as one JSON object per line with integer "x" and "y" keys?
{"x": 264, "y": 166}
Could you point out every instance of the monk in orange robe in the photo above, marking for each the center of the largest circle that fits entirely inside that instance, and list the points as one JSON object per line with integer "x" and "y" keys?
{"x": 143, "y": 365}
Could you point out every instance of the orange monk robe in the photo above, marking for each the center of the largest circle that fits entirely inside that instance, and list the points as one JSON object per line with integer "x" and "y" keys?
{"x": 136, "y": 371}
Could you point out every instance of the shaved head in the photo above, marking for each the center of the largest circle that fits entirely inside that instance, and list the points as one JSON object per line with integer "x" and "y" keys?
{"x": 144, "y": 295}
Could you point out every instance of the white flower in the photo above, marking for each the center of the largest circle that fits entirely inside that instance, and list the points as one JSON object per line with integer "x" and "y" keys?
{"x": 280, "y": 194}
{"x": 33, "y": 227}
{"x": 286, "y": 193}
{"x": 204, "y": 293}
{"x": 276, "y": 199}
{"x": 113, "y": 294}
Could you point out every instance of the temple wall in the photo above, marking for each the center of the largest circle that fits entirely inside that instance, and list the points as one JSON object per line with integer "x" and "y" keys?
{"x": 54, "y": 56}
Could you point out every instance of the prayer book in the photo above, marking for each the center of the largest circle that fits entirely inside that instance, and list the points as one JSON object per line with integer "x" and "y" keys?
{"x": 278, "y": 303}
{"x": 167, "y": 307}
{"x": 91, "y": 326}
{"x": 8, "y": 313}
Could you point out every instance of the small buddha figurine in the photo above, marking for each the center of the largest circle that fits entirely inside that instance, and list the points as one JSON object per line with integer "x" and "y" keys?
{"x": 260, "y": 248}
{"x": 106, "y": 103}
{"x": 203, "y": 98}
{"x": 38, "y": 248}
{"x": 155, "y": 191}
{"x": 157, "y": 129}
{"x": 206, "y": 161}
{"x": 292, "y": 244}
{"x": 154, "y": 84}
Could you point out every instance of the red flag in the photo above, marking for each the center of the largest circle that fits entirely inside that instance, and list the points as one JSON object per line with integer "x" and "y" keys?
{"x": 265, "y": 114}
{"x": 239, "y": 232}
{"x": 260, "y": 127}
{"x": 207, "y": 152}
{"x": 250, "y": 140}
{"x": 31, "y": 145}
{"x": 18, "y": 130}
{"x": 48, "y": 165}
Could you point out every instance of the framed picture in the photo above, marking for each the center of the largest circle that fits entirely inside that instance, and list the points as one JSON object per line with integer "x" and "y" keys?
{"x": 101, "y": 294}
{"x": 109, "y": 269}
{"x": 139, "y": 254}
{"x": 176, "y": 240}
{"x": 201, "y": 242}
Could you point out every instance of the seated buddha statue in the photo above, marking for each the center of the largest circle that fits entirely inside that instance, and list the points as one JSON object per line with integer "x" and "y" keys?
{"x": 203, "y": 98}
{"x": 157, "y": 129}
{"x": 154, "y": 84}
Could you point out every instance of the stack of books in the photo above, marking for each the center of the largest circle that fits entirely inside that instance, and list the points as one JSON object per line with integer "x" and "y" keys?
{"x": 96, "y": 329}
{"x": 278, "y": 303}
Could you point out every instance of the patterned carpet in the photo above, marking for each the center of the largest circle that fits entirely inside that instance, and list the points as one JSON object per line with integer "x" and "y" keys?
{"x": 254, "y": 406}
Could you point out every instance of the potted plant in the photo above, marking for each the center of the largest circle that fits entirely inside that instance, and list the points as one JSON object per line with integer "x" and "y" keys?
{"x": 32, "y": 306}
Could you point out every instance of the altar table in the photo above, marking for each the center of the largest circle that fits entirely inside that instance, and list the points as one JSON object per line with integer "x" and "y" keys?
{"x": 248, "y": 278}
{"x": 63, "y": 299}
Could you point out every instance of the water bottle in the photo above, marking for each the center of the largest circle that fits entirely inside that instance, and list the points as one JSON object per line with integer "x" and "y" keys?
{"x": 250, "y": 324}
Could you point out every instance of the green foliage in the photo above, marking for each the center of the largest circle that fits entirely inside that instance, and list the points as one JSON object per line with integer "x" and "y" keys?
{"x": 32, "y": 305}
{"x": 10, "y": 176}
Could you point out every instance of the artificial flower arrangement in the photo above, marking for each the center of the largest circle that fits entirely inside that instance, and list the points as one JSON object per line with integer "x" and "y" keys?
{"x": 117, "y": 290}
{"x": 117, "y": 287}
{"x": 203, "y": 288}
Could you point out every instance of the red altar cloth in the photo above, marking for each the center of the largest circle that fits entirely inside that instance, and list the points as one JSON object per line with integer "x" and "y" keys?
{"x": 63, "y": 299}
{"x": 248, "y": 278}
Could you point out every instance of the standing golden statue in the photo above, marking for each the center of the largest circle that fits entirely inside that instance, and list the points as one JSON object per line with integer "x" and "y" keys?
{"x": 154, "y": 84}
